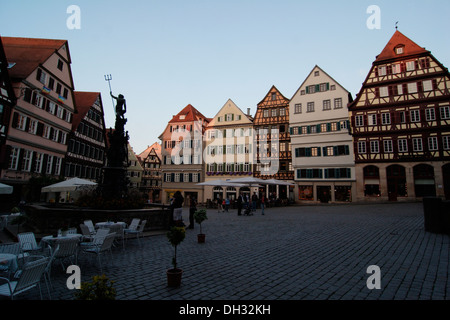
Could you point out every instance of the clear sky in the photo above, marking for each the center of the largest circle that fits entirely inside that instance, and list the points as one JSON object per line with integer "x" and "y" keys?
{"x": 166, "y": 54}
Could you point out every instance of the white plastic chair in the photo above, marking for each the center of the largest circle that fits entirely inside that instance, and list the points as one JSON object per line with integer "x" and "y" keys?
{"x": 139, "y": 231}
{"x": 85, "y": 232}
{"x": 28, "y": 278}
{"x": 132, "y": 228}
{"x": 118, "y": 230}
{"x": 68, "y": 249}
{"x": 28, "y": 242}
{"x": 101, "y": 248}
{"x": 90, "y": 225}
{"x": 48, "y": 269}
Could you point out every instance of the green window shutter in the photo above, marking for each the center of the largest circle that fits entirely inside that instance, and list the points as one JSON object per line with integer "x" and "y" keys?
{"x": 318, "y": 127}
{"x": 232, "y": 117}
{"x": 308, "y": 129}
{"x": 326, "y": 173}
{"x": 325, "y": 153}
{"x": 349, "y": 173}
{"x": 335, "y": 150}
{"x": 225, "y": 133}
{"x": 338, "y": 126}
{"x": 190, "y": 177}
{"x": 307, "y": 90}
{"x": 317, "y": 87}
{"x": 328, "y": 127}
{"x": 337, "y": 173}
{"x": 291, "y": 131}
{"x": 328, "y": 86}
{"x": 307, "y": 152}
{"x": 320, "y": 173}
{"x": 347, "y": 150}
{"x": 319, "y": 152}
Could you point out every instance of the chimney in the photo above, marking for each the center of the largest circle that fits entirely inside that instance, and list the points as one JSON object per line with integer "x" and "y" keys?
{"x": 248, "y": 111}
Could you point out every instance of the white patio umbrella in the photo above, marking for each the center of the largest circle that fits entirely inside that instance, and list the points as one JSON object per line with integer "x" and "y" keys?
{"x": 221, "y": 183}
{"x": 69, "y": 185}
{"x": 5, "y": 189}
{"x": 279, "y": 182}
{"x": 249, "y": 181}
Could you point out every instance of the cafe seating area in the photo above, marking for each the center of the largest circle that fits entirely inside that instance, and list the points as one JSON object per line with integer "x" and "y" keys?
{"x": 28, "y": 263}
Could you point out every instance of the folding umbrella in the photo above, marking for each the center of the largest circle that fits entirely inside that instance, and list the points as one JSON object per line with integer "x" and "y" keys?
{"x": 69, "y": 185}
{"x": 5, "y": 189}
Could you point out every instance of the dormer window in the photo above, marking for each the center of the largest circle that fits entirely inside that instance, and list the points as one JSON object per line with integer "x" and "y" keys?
{"x": 399, "y": 50}
{"x": 182, "y": 117}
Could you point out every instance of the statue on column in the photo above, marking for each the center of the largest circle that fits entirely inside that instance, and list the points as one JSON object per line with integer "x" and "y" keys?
{"x": 121, "y": 106}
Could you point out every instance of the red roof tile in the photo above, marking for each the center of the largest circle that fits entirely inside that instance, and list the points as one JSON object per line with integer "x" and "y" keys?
{"x": 410, "y": 47}
{"x": 28, "y": 53}
{"x": 83, "y": 102}
{"x": 190, "y": 114}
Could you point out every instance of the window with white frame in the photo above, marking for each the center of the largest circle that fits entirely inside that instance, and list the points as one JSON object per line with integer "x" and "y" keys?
{"x": 402, "y": 145}
{"x": 361, "y": 147}
{"x": 274, "y": 112}
{"x": 47, "y": 130}
{"x": 26, "y": 160}
{"x": 55, "y": 135}
{"x": 445, "y": 112}
{"x": 282, "y": 112}
{"x": 177, "y": 177}
{"x": 22, "y": 122}
{"x": 446, "y": 142}
{"x": 385, "y": 118}
{"x": 410, "y": 66}
{"x": 374, "y": 146}
{"x": 433, "y": 143}
{"x": 48, "y": 169}
{"x": 359, "y": 121}
{"x": 266, "y": 113}
{"x": 57, "y": 166}
{"x": 310, "y": 107}
{"x": 384, "y": 91}
{"x": 38, "y": 162}
{"x": 427, "y": 85}
{"x": 326, "y": 104}
{"x": 33, "y": 126}
{"x": 168, "y": 177}
{"x": 372, "y": 119}
{"x": 14, "y": 158}
{"x": 417, "y": 144}
{"x": 298, "y": 108}
{"x": 430, "y": 114}
{"x": 415, "y": 115}
{"x": 338, "y": 103}
{"x": 388, "y": 146}
{"x": 195, "y": 177}
{"x": 382, "y": 70}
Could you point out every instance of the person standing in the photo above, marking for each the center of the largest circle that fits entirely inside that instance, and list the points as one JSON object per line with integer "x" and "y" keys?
{"x": 219, "y": 204}
{"x": 192, "y": 209}
{"x": 263, "y": 203}
{"x": 240, "y": 199}
{"x": 178, "y": 201}
{"x": 227, "y": 204}
{"x": 254, "y": 201}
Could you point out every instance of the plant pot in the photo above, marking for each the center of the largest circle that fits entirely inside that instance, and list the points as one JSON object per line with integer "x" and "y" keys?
{"x": 174, "y": 277}
{"x": 201, "y": 237}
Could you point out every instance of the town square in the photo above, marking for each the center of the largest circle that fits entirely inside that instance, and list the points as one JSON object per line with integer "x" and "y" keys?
{"x": 240, "y": 153}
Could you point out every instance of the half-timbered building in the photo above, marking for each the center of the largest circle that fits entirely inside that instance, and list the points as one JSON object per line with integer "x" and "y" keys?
{"x": 273, "y": 156}
{"x": 150, "y": 160}
{"x": 321, "y": 142}
{"x": 401, "y": 125}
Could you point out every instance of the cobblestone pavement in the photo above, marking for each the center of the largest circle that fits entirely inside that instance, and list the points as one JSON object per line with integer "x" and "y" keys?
{"x": 291, "y": 253}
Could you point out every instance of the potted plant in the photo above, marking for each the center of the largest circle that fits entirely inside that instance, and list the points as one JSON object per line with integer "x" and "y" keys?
{"x": 176, "y": 235}
{"x": 199, "y": 217}
{"x": 101, "y": 288}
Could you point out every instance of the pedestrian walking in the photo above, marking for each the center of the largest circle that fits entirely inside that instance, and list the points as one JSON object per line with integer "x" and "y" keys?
{"x": 192, "y": 209}
{"x": 227, "y": 204}
{"x": 263, "y": 203}
{"x": 219, "y": 205}
{"x": 178, "y": 201}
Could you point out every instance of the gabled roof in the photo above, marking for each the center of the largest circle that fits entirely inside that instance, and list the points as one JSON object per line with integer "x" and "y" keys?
{"x": 156, "y": 147}
{"x": 267, "y": 96}
{"x": 5, "y": 82}
{"x": 409, "y": 47}
{"x": 29, "y": 53}
{"x": 83, "y": 102}
{"x": 321, "y": 70}
{"x": 190, "y": 114}
{"x": 238, "y": 110}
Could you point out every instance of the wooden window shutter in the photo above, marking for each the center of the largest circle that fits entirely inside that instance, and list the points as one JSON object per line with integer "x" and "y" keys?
{"x": 307, "y": 89}
{"x": 27, "y": 96}
{"x": 38, "y": 74}
{"x": 317, "y": 87}
{"x": 328, "y": 86}
{"x": 15, "y": 120}
{"x": 349, "y": 173}
{"x": 318, "y": 128}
